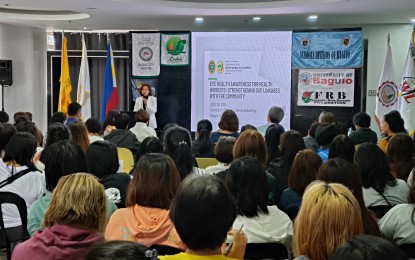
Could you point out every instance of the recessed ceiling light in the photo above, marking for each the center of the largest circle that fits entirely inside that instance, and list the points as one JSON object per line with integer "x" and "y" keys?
{"x": 312, "y": 18}
{"x": 256, "y": 19}
{"x": 199, "y": 20}
{"x": 413, "y": 20}
{"x": 84, "y": 28}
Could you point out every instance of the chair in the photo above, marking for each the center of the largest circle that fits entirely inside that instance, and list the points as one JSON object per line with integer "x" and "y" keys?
{"x": 166, "y": 250}
{"x": 380, "y": 211}
{"x": 409, "y": 250}
{"x": 256, "y": 251}
{"x": 16, "y": 234}
{"x": 126, "y": 159}
{"x": 203, "y": 163}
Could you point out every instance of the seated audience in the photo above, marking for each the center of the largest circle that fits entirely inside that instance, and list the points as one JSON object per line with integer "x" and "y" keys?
{"x": 325, "y": 133}
{"x": 149, "y": 145}
{"x": 310, "y": 140}
{"x": 79, "y": 135}
{"x": 228, "y": 126}
{"x": 400, "y": 154}
{"x": 247, "y": 183}
{"x": 342, "y": 147}
{"x": 108, "y": 125}
{"x": 341, "y": 171}
{"x": 202, "y": 146}
{"x": 121, "y": 136}
{"x": 74, "y": 220}
{"x": 121, "y": 250}
{"x": 391, "y": 124}
{"x": 22, "y": 117}
{"x": 58, "y": 117}
{"x": 29, "y": 127}
{"x": 6, "y": 132}
{"x": 146, "y": 219}
{"x": 367, "y": 247}
{"x": 275, "y": 116}
{"x": 165, "y": 128}
{"x": 303, "y": 171}
{"x": 273, "y": 133}
{"x": 94, "y": 127}
{"x": 201, "y": 194}
{"x": 326, "y": 117}
{"x": 291, "y": 143}
{"x": 141, "y": 128}
{"x": 4, "y": 117}
{"x": 248, "y": 127}
{"x": 379, "y": 186}
{"x": 363, "y": 132}
{"x": 223, "y": 153}
{"x": 74, "y": 113}
{"x": 102, "y": 158}
{"x": 328, "y": 217}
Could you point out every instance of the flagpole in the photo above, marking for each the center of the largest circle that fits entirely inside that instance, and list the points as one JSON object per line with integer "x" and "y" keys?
{"x": 60, "y": 104}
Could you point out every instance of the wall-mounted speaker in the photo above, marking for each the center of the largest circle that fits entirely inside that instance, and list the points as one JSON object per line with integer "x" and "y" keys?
{"x": 6, "y": 74}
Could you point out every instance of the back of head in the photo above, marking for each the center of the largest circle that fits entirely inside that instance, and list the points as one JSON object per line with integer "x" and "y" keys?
{"x": 247, "y": 182}
{"x": 248, "y": 127}
{"x": 79, "y": 134}
{"x": 373, "y": 167}
{"x": 21, "y": 148}
{"x": 74, "y": 108}
{"x": 165, "y": 129}
{"x": 79, "y": 200}
{"x": 58, "y": 117}
{"x": 325, "y": 133}
{"x": 121, "y": 250}
{"x": 93, "y": 125}
{"x": 142, "y": 116}
{"x": 102, "y": 158}
{"x": 121, "y": 121}
{"x": 275, "y": 114}
{"x": 367, "y": 247}
{"x": 21, "y": 117}
{"x": 313, "y": 129}
{"x": 177, "y": 143}
{"x": 251, "y": 143}
{"x": 109, "y": 119}
{"x": 395, "y": 121}
{"x": 229, "y": 121}
{"x": 342, "y": 147}
{"x": 303, "y": 170}
{"x": 400, "y": 153}
{"x": 201, "y": 227}
{"x": 155, "y": 182}
{"x": 272, "y": 141}
{"x": 57, "y": 132}
{"x": 29, "y": 127}
{"x": 6, "y": 132}
{"x": 223, "y": 149}
{"x": 4, "y": 117}
{"x": 362, "y": 119}
{"x": 326, "y": 117}
{"x": 62, "y": 158}
{"x": 150, "y": 144}
{"x": 329, "y": 209}
{"x": 291, "y": 142}
{"x": 204, "y": 129}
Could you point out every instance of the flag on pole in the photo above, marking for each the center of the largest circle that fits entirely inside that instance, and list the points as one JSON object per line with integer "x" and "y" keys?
{"x": 110, "y": 97}
{"x": 387, "y": 92}
{"x": 84, "y": 88}
{"x": 407, "y": 89}
{"x": 65, "y": 80}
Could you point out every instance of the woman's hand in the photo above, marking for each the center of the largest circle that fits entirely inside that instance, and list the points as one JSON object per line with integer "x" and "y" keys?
{"x": 239, "y": 244}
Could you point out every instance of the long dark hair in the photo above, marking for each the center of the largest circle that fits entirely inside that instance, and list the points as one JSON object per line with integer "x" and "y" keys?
{"x": 204, "y": 128}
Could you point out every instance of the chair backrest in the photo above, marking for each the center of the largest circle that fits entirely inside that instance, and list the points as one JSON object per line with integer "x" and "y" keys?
{"x": 14, "y": 234}
{"x": 255, "y": 251}
{"x": 380, "y": 211}
{"x": 409, "y": 250}
{"x": 126, "y": 159}
{"x": 203, "y": 163}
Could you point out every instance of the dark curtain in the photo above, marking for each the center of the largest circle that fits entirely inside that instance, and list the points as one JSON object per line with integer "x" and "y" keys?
{"x": 97, "y": 46}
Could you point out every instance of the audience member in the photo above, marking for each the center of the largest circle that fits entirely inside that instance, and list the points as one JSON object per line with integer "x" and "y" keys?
{"x": 223, "y": 153}
{"x": 201, "y": 194}
{"x": 391, "y": 124}
{"x": 146, "y": 219}
{"x": 121, "y": 250}
{"x": 102, "y": 158}
{"x": 273, "y": 133}
{"x": 400, "y": 153}
{"x": 6, "y": 132}
{"x": 22, "y": 116}
{"x": 303, "y": 171}
{"x": 363, "y": 132}
{"x": 141, "y": 128}
{"x": 58, "y": 117}
{"x": 339, "y": 170}
{"x": 275, "y": 116}
{"x": 121, "y": 136}
{"x": 228, "y": 126}
{"x": 342, "y": 147}
{"x": 74, "y": 220}
{"x": 247, "y": 183}
{"x": 94, "y": 127}
{"x": 310, "y": 140}
{"x": 326, "y": 117}
{"x": 202, "y": 146}
{"x": 325, "y": 133}
{"x": 74, "y": 113}
{"x": 248, "y": 127}
{"x": 29, "y": 127}
{"x": 4, "y": 117}
{"x": 109, "y": 123}
{"x": 165, "y": 128}
{"x": 149, "y": 145}
{"x": 328, "y": 217}
{"x": 79, "y": 134}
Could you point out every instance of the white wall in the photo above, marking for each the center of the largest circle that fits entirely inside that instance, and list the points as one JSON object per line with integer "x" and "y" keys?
{"x": 26, "y": 47}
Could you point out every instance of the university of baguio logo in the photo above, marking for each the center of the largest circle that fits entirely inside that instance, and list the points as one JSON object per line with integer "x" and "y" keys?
{"x": 305, "y": 78}
{"x": 175, "y": 46}
{"x": 305, "y": 42}
{"x": 211, "y": 67}
{"x": 307, "y": 96}
{"x": 220, "y": 67}
{"x": 145, "y": 54}
{"x": 387, "y": 93}
{"x": 346, "y": 41}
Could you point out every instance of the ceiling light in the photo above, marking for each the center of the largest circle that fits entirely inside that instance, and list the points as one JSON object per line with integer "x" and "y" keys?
{"x": 413, "y": 20}
{"x": 256, "y": 19}
{"x": 312, "y": 18}
{"x": 199, "y": 20}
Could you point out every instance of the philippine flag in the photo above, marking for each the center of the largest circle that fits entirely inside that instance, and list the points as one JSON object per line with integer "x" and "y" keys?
{"x": 110, "y": 97}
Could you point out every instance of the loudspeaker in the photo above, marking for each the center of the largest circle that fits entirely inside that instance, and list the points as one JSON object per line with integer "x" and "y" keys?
{"x": 6, "y": 75}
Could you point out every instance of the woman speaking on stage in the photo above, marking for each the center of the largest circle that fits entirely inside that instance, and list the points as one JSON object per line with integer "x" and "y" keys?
{"x": 147, "y": 102}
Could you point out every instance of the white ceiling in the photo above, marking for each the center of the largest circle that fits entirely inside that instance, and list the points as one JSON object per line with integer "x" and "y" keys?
{"x": 219, "y": 15}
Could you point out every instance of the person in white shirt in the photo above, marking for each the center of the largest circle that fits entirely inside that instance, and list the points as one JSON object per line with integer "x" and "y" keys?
{"x": 147, "y": 102}
{"x": 94, "y": 127}
{"x": 223, "y": 153}
{"x": 141, "y": 128}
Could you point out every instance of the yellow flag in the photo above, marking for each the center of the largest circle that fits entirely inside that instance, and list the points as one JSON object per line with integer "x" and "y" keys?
{"x": 65, "y": 80}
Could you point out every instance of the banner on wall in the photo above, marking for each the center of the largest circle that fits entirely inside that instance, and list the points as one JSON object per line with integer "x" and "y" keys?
{"x": 326, "y": 87}
{"x": 327, "y": 49}
{"x": 146, "y": 54}
{"x": 175, "y": 49}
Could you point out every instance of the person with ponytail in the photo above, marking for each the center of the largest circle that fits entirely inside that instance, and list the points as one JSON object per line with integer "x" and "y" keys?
{"x": 202, "y": 146}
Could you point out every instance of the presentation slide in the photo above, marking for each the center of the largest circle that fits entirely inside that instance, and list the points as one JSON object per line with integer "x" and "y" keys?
{"x": 248, "y": 72}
